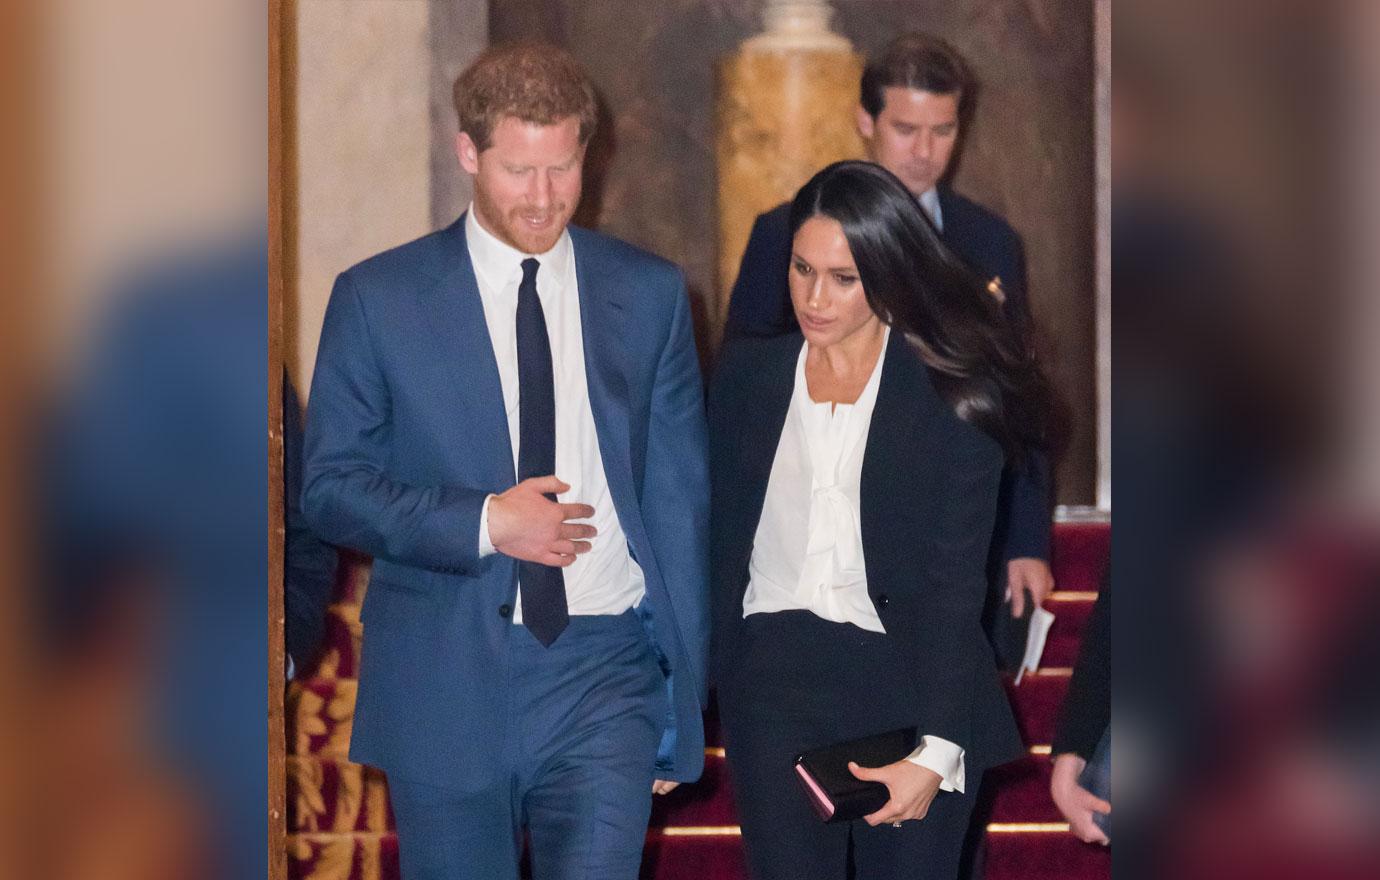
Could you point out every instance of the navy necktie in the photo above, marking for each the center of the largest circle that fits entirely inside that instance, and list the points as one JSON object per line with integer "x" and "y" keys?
{"x": 544, "y": 611}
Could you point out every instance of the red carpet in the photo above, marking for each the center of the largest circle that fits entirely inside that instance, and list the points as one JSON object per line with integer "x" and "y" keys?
{"x": 340, "y": 825}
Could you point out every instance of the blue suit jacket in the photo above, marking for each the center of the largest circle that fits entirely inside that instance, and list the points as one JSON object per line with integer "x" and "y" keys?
{"x": 406, "y": 436}
{"x": 760, "y": 306}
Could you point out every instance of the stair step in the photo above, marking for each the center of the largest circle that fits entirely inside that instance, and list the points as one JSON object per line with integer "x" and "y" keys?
{"x": 1036, "y": 701}
{"x": 1021, "y": 791}
{"x": 708, "y": 802}
{"x": 1038, "y": 855}
{"x": 676, "y": 857}
{"x": 1071, "y": 611}
{"x": 1080, "y": 552}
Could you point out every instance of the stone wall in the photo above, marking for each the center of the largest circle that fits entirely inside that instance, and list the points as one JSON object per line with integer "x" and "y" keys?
{"x": 373, "y": 136}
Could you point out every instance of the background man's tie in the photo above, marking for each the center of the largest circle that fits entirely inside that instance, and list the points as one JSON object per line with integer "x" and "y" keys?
{"x": 544, "y": 611}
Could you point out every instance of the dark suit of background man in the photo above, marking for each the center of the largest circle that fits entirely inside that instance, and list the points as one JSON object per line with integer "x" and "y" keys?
{"x": 486, "y": 399}
{"x": 913, "y": 99}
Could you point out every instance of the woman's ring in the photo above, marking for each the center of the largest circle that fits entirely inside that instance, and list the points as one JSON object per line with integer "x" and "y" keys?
{"x": 895, "y": 824}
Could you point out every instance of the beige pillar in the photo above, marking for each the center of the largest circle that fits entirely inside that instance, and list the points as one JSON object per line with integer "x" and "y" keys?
{"x": 363, "y": 150}
{"x": 784, "y": 110}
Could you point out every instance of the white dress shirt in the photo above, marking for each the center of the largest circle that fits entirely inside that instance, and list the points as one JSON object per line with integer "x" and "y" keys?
{"x": 807, "y": 553}
{"x": 605, "y": 580}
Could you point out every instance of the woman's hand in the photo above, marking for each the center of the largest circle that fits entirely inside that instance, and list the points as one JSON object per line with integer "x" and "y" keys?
{"x": 1076, "y": 802}
{"x": 912, "y": 789}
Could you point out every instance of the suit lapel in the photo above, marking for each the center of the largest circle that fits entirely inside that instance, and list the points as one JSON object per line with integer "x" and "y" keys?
{"x": 760, "y": 430}
{"x": 902, "y": 419}
{"x": 462, "y": 333}
{"x": 604, "y": 319}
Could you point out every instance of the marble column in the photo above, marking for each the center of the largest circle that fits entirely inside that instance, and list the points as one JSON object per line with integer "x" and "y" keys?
{"x": 784, "y": 110}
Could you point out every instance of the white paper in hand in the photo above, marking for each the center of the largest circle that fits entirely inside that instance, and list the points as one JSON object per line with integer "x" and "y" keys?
{"x": 1040, "y": 622}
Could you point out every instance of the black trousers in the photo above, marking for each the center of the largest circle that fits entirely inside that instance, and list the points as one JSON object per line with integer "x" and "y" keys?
{"x": 799, "y": 683}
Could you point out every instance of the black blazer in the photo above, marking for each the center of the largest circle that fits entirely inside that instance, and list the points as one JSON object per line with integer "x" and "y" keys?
{"x": 929, "y": 498}
{"x": 760, "y": 306}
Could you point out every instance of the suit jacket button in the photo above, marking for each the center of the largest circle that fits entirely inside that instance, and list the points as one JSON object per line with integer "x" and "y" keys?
{"x": 505, "y": 611}
{"x": 883, "y": 601}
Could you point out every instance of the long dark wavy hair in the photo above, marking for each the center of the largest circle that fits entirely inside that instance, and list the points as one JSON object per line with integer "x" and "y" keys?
{"x": 981, "y": 362}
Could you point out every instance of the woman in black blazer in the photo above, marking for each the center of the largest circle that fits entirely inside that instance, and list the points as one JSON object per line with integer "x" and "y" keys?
{"x": 854, "y": 490}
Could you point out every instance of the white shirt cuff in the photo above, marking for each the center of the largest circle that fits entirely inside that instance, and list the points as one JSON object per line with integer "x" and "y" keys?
{"x": 486, "y": 547}
{"x": 944, "y": 758}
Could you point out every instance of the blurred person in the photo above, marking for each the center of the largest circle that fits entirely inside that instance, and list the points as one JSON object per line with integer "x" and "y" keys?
{"x": 507, "y": 414}
{"x": 914, "y": 100}
{"x": 1084, "y": 723}
{"x": 855, "y": 468}
{"x": 154, "y": 675}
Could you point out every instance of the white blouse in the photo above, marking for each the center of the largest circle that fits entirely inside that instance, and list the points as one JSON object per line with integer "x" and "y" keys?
{"x": 807, "y": 553}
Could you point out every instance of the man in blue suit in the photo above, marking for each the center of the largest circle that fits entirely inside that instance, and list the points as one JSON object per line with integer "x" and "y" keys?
{"x": 507, "y": 414}
{"x": 914, "y": 98}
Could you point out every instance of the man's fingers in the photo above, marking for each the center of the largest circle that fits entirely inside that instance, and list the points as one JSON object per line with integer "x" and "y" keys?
{"x": 548, "y": 485}
{"x": 1087, "y": 831}
{"x": 577, "y": 530}
{"x": 570, "y": 548}
{"x": 556, "y": 560}
{"x": 1017, "y": 600}
{"x": 1086, "y": 800}
{"x": 663, "y": 786}
{"x": 576, "y": 511}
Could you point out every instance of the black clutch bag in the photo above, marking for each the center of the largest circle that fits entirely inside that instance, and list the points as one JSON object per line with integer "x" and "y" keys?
{"x": 836, "y": 794}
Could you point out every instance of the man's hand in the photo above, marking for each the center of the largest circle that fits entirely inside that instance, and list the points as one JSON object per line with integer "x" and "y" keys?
{"x": 1076, "y": 802}
{"x": 526, "y": 525}
{"x": 663, "y": 786}
{"x": 912, "y": 789}
{"x": 1028, "y": 573}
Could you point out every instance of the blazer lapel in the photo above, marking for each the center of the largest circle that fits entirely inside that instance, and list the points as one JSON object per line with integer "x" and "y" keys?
{"x": 462, "y": 333}
{"x": 604, "y": 318}
{"x": 760, "y": 431}
{"x": 901, "y": 422}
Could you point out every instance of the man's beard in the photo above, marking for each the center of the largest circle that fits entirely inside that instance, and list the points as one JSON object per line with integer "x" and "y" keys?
{"x": 512, "y": 227}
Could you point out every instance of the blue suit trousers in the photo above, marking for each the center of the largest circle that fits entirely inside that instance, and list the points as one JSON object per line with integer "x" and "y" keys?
{"x": 585, "y": 717}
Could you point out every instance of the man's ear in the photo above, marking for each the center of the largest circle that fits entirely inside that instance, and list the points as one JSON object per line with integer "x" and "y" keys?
{"x": 467, "y": 151}
{"x": 867, "y": 126}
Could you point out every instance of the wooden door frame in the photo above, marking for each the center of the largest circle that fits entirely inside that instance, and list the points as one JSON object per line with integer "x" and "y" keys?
{"x": 277, "y": 662}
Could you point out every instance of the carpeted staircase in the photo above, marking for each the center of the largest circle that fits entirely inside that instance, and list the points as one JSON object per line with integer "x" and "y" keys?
{"x": 340, "y": 825}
